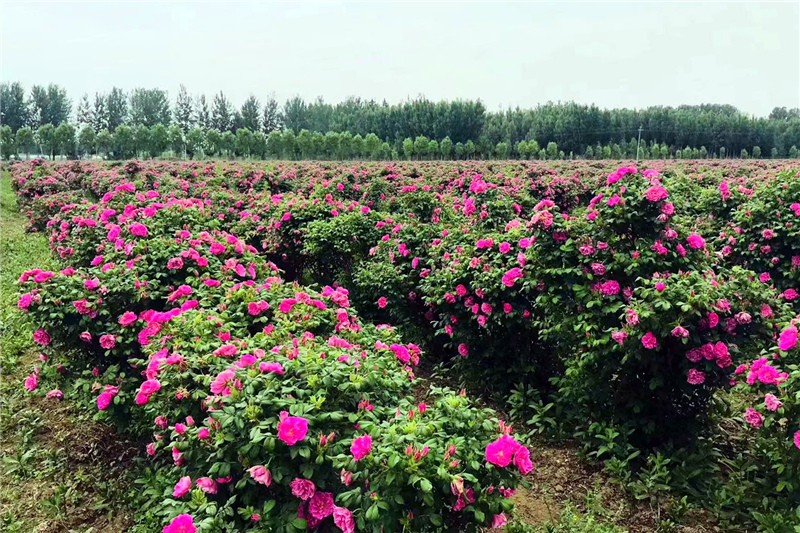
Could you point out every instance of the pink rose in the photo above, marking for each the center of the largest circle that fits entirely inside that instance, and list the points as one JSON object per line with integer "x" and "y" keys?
{"x": 41, "y": 337}
{"x": 303, "y": 488}
{"x": 656, "y": 193}
{"x": 522, "y": 460}
{"x": 772, "y": 402}
{"x": 183, "y": 486}
{"x": 260, "y": 474}
{"x": 31, "y": 382}
{"x": 753, "y": 417}
{"x": 183, "y": 523}
{"x": 695, "y": 377}
{"x": 649, "y": 341}
{"x": 207, "y": 485}
{"x": 695, "y": 241}
{"x": 501, "y": 451}
{"x": 271, "y": 367}
{"x": 680, "y": 332}
{"x": 321, "y": 505}
{"x": 292, "y": 429}
{"x": 137, "y": 229}
{"x": 104, "y": 400}
{"x": 361, "y": 447}
{"x": 788, "y": 339}
{"x": 499, "y": 520}
{"x": 344, "y": 518}
{"x": 127, "y": 318}
{"x": 107, "y": 342}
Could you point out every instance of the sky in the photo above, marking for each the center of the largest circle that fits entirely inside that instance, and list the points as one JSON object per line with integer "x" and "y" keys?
{"x": 507, "y": 54}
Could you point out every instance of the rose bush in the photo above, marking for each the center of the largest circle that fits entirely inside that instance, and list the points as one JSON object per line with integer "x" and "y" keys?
{"x": 763, "y": 232}
{"x": 774, "y": 379}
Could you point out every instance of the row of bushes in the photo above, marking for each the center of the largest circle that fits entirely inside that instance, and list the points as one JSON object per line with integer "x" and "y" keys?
{"x": 622, "y": 304}
{"x": 269, "y": 406}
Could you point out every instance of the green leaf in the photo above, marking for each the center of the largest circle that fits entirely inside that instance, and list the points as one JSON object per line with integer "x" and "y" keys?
{"x": 373, "y": 513}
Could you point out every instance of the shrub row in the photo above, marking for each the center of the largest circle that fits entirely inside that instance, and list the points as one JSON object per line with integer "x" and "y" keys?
{"x": 624, "y": 305}
{"x": 270, "y": 406}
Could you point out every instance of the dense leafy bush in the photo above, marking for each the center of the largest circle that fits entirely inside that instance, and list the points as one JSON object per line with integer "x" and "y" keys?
{"x": 764, "y": 230}
{"x": 776, "y": 416}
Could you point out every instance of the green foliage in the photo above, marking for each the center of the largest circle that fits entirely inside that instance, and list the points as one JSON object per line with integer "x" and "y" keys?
{"x": 197, "y": 296}
{"x": 149, "y": 107}
{"x": 8, "y": 143}
{"x": 615, "y": 308}
{"x": 569, "y": 521}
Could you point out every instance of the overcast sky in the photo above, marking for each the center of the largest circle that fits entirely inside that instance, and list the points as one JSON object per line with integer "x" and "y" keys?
{"x": 610, "y": 54}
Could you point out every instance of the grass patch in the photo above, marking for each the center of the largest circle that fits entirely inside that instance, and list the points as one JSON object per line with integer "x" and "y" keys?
{"x": 569, "y": 521}
{"x": 19, "y": 251}
{"x": 60, "y": 471}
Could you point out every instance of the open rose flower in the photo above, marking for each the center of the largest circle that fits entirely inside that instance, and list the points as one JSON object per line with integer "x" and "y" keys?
{"x": 183, "y": 523}
{"x": 303, "y": 488}
{"x": 182, "y": 487}
{"x": 501, "y": 452}
{"x": 650, "y": 341}
{"x": 361, "y": 447}
{"x": 292, "y": 429}
{"x": 788, "y": 338}
{"x": 260, "y": 474}
{"x": 320, "y": 506}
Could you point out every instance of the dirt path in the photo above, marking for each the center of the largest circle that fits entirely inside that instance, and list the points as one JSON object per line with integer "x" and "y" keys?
{"x": 60, "y": 470}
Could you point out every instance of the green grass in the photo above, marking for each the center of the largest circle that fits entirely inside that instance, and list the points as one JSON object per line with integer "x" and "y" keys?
{"x": 59, "y": 470}
{"x": 18, "y": 252}
{"x": 569, "y": 521}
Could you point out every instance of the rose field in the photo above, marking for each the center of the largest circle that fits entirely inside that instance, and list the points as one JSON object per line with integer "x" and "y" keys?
{"x": 560, "y": 346}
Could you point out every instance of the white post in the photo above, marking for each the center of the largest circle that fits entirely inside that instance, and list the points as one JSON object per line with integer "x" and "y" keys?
{"x": 637, "y": 145}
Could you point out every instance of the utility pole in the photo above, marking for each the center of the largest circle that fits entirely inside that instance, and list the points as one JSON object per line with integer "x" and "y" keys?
{"x": 637, "y": 145}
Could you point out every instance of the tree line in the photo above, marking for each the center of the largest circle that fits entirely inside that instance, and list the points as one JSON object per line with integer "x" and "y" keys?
{"x": 146, "y": 123}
